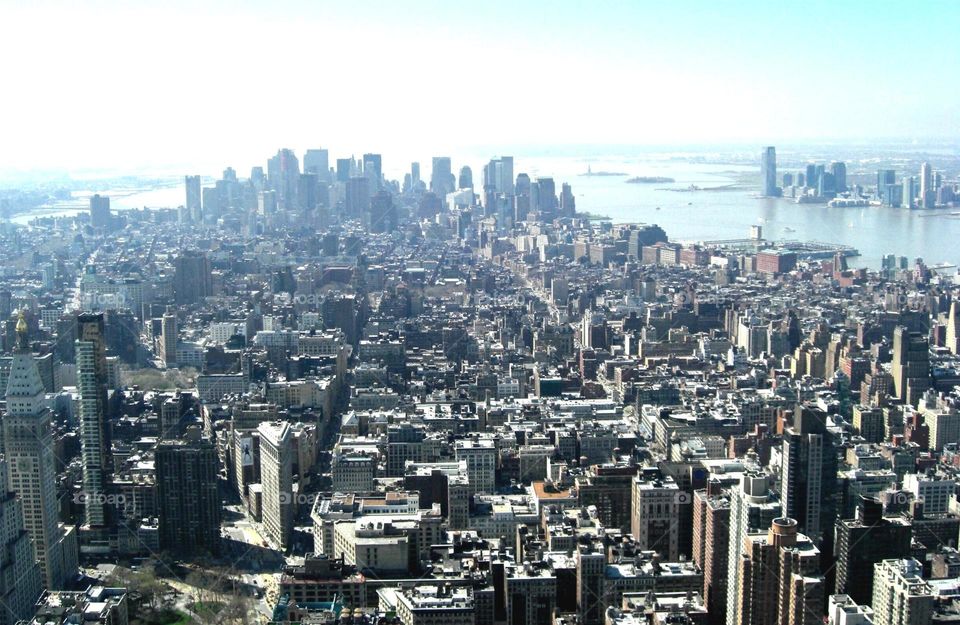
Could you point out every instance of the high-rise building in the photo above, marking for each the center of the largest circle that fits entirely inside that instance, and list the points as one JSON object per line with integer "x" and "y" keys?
{"x": 357, "y": 197}
{"x": 465, "y": 180}
{"x": 94, "y": 434}
{"x": 373, "y": 168}
{"x": 568, "y": 204}
{"x": 317, "y": 161}
{"x": 656, "y": 508}
{"x": 28, "y": 447}
{"x": 168, "y": 339}
{"x": 900, "y": 594}
{"x": 839, "y": 171}
{"x": 21, "y": 580}
{"x": 344, "y": 169}
{"x": 100, "y": 216}
{"x": 187, "y": 495}
{"x": 276, "y": 478}
{"x": 442, "y": 181}
{"x": 194, "y": 198}
{"x": 753, "y": 506}
{"x": 415, "y": 176}
{"x": 778, "y": 578}
{"x": 885, "y": 177}
{"x": 768, "y": 172}
{"x": 383, "y": 213}
{"x": 811, "y": 179}
{"x": 864, "y": 541}
{"x": 926, "y": 181}
{"x": 711, "y": 548}
{"x": 283, "y": 176}
{"x": 911, "y": 365}
{"x": 909, "y": 191}
{"x": 953, "y": 328}
{"x": 809, "y": 473}
{"x": 546, "y": 196}
{"x": 192, "y": 277}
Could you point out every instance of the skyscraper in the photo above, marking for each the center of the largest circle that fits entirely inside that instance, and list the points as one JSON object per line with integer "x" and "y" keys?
{"x": 187, "y": 495}
{"x": 778, "y": 578}
{"x": 911, "y": 365}
{"x": 768, "y": 172}
{"x": 414, "y": 176}
{"x": 753, "y": 506}
{"x": 194, "y": 197}
{"x": 442, "y": 181}
{"x": 900, "y": 595}
{"x": 317, "y": 161}
{"x": 94, "y": 439}
{"x": 100, "y": 216}
{"x": 466, "y": 178}
{"x": 864, "y": 541}
{"x": 192, "y": 277}
{"x": 276, "y": 477}
{"x": 373, "y": 168}
{"x": 283, "y": 176}
{"x": 168, "y": 339}
{"x": 839, "y": 171}
{"x": 809, "y": 473}
{"x": 926, "y": 180}
{"x": 20, "y": 577}
{"x": 28, "y": 447}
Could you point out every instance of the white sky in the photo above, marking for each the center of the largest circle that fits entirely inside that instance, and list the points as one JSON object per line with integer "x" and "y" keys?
{"x": 138, "y": 85}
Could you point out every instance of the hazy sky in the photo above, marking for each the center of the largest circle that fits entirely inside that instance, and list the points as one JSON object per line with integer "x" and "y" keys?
{"x": 132, "y": 84}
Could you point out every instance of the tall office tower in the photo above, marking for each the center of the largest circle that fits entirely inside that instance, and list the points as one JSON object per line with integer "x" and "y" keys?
{"x": 778, "y": 578}
{"x": 94, "y": 438}
{"x": 258, "y": 179}
{"x": 839, "y": 171}
{"x": 373, "y": 167}
{"x": 787, "y": 180}
{"x": 168, "y": 339}
{"x": 568, "y": 205}
{"x": 192, "y": 277}
{"x": 415, "y": 176}
{"x": 811, "y": 175}
{"x": 768, "y": 172}
{"x": 900, "y": 595}
{"x": 953, "y": 328}
{"x": 656, "y": 508}
{"x": 885, "y": 177}
{"x": 506, "y": 176}
{"x": 442, "y": 181}
{"x": 465, "y": 181}
{"x": 753, "y": 506}
{"x": 307, "y": 192}
{"x": 546, "y": 195}
{"x": 28, "y": 447}
{"x": 809, "y": 474}
{"x": 711, "y": 547}
{"x": 187, "y": 495}
{"x": 194, "y": 198}
{"x": 926, "y": 180}
{"x": 909, "y": 186}
{"x": 276, "y": 478}
{"x": 283, "y": 175}
{"x": 100, "y": 216}
{"x": 911, "y": 365}
{"x": 827, "y": 186}
{"x": 383, "y": 213}
{"x": 317, "y": 161}
{"x": 864, "y": 541}
{"x": 21, "y": 580}
{"x": 344, "y": 169}
{"x": 356, "y": 202}
{"x": 522, "y": 187}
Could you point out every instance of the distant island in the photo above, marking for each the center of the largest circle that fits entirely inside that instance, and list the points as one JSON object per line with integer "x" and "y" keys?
{"x": 649, "y": 179}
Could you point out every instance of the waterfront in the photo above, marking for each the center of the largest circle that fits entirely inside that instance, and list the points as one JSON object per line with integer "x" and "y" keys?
{"x": 724, "y": 208}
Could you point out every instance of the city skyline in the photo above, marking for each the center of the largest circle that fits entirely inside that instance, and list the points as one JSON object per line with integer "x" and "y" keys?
{"x": 632, "y": 74}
